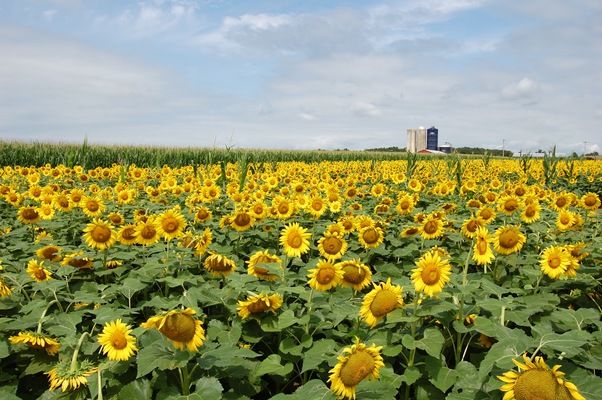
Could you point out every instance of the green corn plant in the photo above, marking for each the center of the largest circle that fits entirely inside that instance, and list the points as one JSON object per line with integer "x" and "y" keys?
{"x": 550, "y": 166}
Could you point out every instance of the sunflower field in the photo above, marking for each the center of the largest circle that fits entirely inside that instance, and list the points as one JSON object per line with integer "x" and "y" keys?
{"x": 452, "y": 278}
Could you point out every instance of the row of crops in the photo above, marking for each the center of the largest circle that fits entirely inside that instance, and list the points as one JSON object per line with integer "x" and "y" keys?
{"x": 382, "y": 279}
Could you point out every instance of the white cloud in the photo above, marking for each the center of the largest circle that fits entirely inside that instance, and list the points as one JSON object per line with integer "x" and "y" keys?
{"x": 524, "y": 89}
{"x": 364, "y": 109}
{"x": 49, "y": 14}
{"x": 307, "y": 116}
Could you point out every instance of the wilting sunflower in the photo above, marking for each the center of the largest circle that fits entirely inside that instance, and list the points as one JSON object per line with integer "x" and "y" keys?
{"x": 554, "y": 261}
{"x": 371, "y": 237}
{"x": 28, "y": 215}
{"x": 62, "y": 376}
{"x": 355, "y": 364}
{"x": 117, "y": 342}
{"x": 295, "y": 240}
{"x": 202, "y": 242}
{"x": 99, "y": 234}
{"x": 380, "y": 301}
{"x": 257, "y": 265}
{"x": 147, "y": 232}
{"x": 431, "y": 274}
{"x": 536, "y": 381}
{"x": 5, "y": 290}
{"x": 171, "y": 223}
{"x": 325, "y": 276}
{"x": 180, "y": 327}
{"x": 50, "y": 253}
{"x": 410, "y": 231}
{"x": 259, "y": 303}
{"x": 36, "y": 270}
{"x": 590, "y": 201}
{"x": 508, "y": 239}
{"x": 127, "y": 234}
{"x": 77, "y": 260}
{"x": 432, "y": 228}
{"x": 481, "y": 251}
{"x": 332, "y": 246}
{"x": 36, "y": 340}
{"x": 355, "y": 274}
{"x": 219, "y": 265}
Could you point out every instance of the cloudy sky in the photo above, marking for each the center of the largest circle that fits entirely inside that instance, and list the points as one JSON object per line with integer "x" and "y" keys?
{"x": 303, "y": 74}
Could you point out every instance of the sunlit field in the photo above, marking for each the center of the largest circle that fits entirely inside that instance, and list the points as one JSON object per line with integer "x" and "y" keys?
{"x": 205, "y": 279}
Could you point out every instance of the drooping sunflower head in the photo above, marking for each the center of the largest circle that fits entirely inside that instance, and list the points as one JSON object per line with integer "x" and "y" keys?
{"x": 508, "y": 239}
{"x": 37, "y": 272}
{"x": 332, "y": 246}
{"x": 536, "y": 381}
{"x": 256, "y": 304}
{"x": 180, "y": 327}
{"x": 50, "y": 253}
{"x": 99, "y": 235}
{"x": 62, "y": 376}
{"x": 355, "y": 364}
{"x": 77, "y": 260}
{"x": 481, "y": 251}
{"x": 295, "y": 240}
{"x": 28, "y": 215}
{"x": 355, "y": 274}
{"x": 117, "y": 342}
{"x": 36, "y": 341}
{"x": 264, "y": 265}
{"x": 380, "y": 301}
{"x": 219, "y": 265}
{"x": 127, "y": 234}
{"x": 431, "y": 274}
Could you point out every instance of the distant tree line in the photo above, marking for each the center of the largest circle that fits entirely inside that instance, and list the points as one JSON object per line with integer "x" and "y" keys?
{"x": 481, "y": 150}
{"x": 391, "y": 149}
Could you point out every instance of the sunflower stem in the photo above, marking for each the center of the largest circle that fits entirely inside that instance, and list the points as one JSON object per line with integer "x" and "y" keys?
{"x": 309, "y": 304}
{"x": 185, "y": 380}
{"x": 99, "y": 385}
{"x": 536, "y": 288}
{"x": 73, "y": 365}
{"x": 39, "y": 330}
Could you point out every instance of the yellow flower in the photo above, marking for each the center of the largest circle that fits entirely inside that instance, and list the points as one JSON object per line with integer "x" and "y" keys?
{"x": 50, "y": 253}
{"x": 127, "y": 234}
{"x": 92, "y": 207}
{"x": 555, "y": 260}
{"x": 259, "y": 303}
{"x": 62, "y": 376}
{"x": 470, "y": 227}
{"x": 5, "y": 290}
{"x": 257, "y": 266}
{"x": 431, "y": 274}
{"x": 325, "y": 276}
{"x": 332, "y": 246}
{"x": 171, "y": 223}
{"x": 180, "y": 327}
{"x": 99, "y": 235}
{"x": 565, "y": 220}
{"x": 432, "y": 228}
{"x": 117, "y": 342}
{"x": 536, "y": 381}
{"x": 219, "y": 265}
{"x": 355, "y": 274}
{"x": 481, "y": 251}
{"x": 241, "y": 221}
{"x": 36, "y": 341}
{"x": 371, "y": 237}
{"x": 147, "y": 232}
{"x": 294, "y": 239}
{"x": 36, "y": 270}
{"x": 531, "y": 213}
{"x": 380, "y": 301}
{"x": 508, "y": 240}
{"x": 355, "y": 364}
{"x": 28, "y": 215}
{"x": 590, "y": 201}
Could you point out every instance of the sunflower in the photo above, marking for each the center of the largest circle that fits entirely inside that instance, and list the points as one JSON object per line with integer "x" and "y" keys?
{"x": 332, "y": 246}
{"x": 317, "y": 207}
{"x": 535, "y": 380}
{"x": 202, "y": 242}
{"x": 92, "y": 207}
{"x": 355, "y": 364}
{"x": 554, "y": 261}
{"x": 371, "y": 237}
{"x": 117, "y": 342}
{"x": 219, "y": 265}
{"x": 147, "y": 232}
{"x": 481, "y": 251}
{"x": 560, "y": 201}
{"x": 28, "y": 215}
{"x": 531, "y": 212}
{"x": 202, "y": 214}
{"x": 99, "y": 234}
{"x": 565, "y": 220}
{"x": 241, "y": 221}
{"x": 590, "y": 201}
{"x": 355, "y": 274}
{"x": 410, "y": 231}
{"x": 294, "y": 239}
{"x": 46, "y": 212}
{"x": 36, "y": 340}
{"x": 380, "y": 301}
{"x": 405, "y": 204}
{"x": 36, "y": 270}
{"x": 486, "y": 214}
{"x": 259, "y": 303}
{"x": 431, "y": 228}
{"x": 171, "y": 223}
{"x": 180, "y": 327}
{"x": 5, "y": 290}
{"x": 508, "y": 239}
{"x": 431, "y": 274}
{"x": 64, "y": 377}
{"x": 77, "y": 260}
{"x": 508, "y": 204}
{"x": 127, "y": 234}
{"x": 470, "y": 227}
{"x": 258, "y": 263}
{"x": 50, "y": 253}
{"x": 325, "y": 276}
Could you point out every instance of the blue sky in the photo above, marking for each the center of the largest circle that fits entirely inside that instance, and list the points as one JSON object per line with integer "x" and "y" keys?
{"x": 302, "y": 74}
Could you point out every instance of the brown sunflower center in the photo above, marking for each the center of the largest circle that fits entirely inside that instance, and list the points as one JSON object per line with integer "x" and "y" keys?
{"x": 384, "y": 302}
{"x": 560, "y": 202}
{"x": 258, "y": 306}
{"x": 64, "y": 203}
{"x": 404, "y": 204}
{"x": 179, "y": 327}
{"x": 30, "y": 214}
{"x": 100, "y": 234}
{"x": 294, "y": 240}
{"x": 510, "y": 205}
{"x": 325, "y": 275}
{"x": 353, "y": 274}
{"x": 116, "y": 219}
{"x": 370, "y": 236}
{"x": 482, "y": 246}
{"x": 565, "y": 219}
{"x": 538, "y": 384}
{"x": 508, "y": 239}
{"x": 485, "y": 214}
{"x": 170, "y": 224}
{"x": 118, "y": 340}
{"x": 92, "y": 206}
{"x": 472, "y": 226}
{"x": 554, "y": 262}
{"x": 218, "y": 264}
{"x": 78, "y": 262}
{"x": 411, "y": 231}
{"x": 148, "y": 232}
{"x": 317, "y": 205}
{"x": 430, "y": 274}
{"x": 332, "y": 245}
{"x": 40, "y": 274}
{"x": 49, "y": 252}
{"x": 530, "y": 211}
{"x": 589, "y": 201}
{"x": 242, "y": 219}
{"x": 430, "y": 227}
{"x": 283, "y": 208}
{"x": 129, "y": 233}
{"x": 202, "y": 214}
{"x": 358, "y": 366}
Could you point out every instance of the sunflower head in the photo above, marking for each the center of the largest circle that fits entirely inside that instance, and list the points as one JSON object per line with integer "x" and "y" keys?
{"x": 219, "y": 265}
{"x": 332, "y": 246}
{"x": 555, "y": 260}
{"x": 370, "y": 237}
{"x": 383, "y": 299}
{"x": 180, "y": 327}
{"x": 431, "y": 274}
{"x": 117, "y": 342}
{"x": 36, "y": 341}
{"x": 99, "y": 235}
{"x": 325, "y": 276}
{"x": 509, "y": 239}
{"x": 37, "y": 272}
{"x": 355, "y": 274}
{"x": 295, "y": 240}
{"x": 261, "y": 263}
{"x": 68, "y": 379}
{"x": 256, "y": 304}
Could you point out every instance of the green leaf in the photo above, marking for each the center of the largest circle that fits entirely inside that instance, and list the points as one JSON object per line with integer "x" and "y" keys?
{"x": 279, "y": 322}
{"x": 4, "y": 350}
{"x": 290, "y": 345}
{"x": 432, "y": 342}
{"x": 271, "y": 366}
{"x": 321, "y": 351}
{"x": 209, "y": 388}
{"x": 410, "y": 375}
{"x": 441, "y": 376}
{"x": 156, "y": 356}
{"x": 137, "y": 390}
